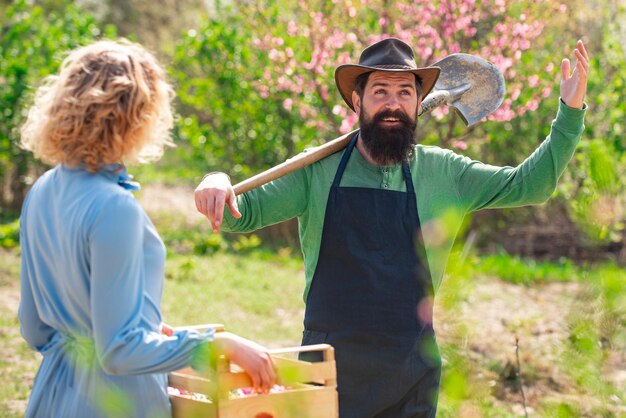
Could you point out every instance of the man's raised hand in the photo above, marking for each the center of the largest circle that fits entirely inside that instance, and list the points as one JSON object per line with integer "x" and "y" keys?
{"x": 574, "y": 84}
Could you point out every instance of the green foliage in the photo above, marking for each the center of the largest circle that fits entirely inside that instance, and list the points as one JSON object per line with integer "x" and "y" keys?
{"x": 603, "y": 167}
{"x": 528, "y": 271}
{"x": 595, "y": 188}
{"x": 596, "y": 324}
{"x": 246, "y": 243}
{"x": 10, "y": 234}
{"x": 597, "y": 203}
{"x": 33, "y": 41}
{"x": 560, "y": 410}
{"x": 226, "y": 124}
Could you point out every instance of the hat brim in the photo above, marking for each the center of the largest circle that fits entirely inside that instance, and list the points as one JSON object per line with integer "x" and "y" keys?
{"x": 346, "y": 75}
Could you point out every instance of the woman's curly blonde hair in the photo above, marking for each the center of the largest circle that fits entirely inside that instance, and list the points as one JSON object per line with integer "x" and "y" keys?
{"x": 110, "y": 103}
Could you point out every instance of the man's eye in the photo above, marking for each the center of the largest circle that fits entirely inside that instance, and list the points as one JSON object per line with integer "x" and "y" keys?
{"x": 405, "y": 92}
{"x": 379, "y": 91}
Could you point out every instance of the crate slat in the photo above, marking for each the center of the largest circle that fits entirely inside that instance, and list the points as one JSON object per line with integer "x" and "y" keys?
{"x": 311, "y": 390}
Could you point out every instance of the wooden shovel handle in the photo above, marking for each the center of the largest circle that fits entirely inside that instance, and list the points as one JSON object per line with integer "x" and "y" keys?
{"x": 295, "y": 163}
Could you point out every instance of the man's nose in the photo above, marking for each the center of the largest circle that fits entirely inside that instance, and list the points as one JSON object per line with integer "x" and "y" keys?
{"x": 392, "y": 103}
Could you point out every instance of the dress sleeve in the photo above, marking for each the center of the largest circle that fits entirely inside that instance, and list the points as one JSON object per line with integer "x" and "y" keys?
{"x": 533, "y": 181}
{"x": 122, "y": 345}
{"x": 34, "y": 331}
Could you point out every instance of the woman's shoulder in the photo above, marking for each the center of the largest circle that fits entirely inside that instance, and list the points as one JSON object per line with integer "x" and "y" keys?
{"x": 94, "y": 192}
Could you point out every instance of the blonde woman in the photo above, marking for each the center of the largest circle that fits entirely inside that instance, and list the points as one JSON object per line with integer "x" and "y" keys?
{"x": 92, "y": 261}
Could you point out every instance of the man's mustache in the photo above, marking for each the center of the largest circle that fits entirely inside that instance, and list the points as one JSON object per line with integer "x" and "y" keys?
{"x": 398, "y": 114}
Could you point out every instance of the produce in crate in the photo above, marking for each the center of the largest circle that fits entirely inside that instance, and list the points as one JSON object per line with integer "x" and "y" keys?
{"x": 307, "y": 390}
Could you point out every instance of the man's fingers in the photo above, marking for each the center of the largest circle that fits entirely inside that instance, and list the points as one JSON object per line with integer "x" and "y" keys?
{"x": 581, "y": 47}
{"x": 200, "y": 206}
{"x": 218, "y": 211}
{"x": 565, "y": 67}
{"x": 582, "y": 60}
{"x": 200, "y": 197}
{"x": 582, "y": 70}
{"x": 232, "y": 205}
{"x": 211, "y": 195}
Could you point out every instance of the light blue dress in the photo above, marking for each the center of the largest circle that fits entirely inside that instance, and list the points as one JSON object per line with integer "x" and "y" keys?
{"x": 91, "y": 285}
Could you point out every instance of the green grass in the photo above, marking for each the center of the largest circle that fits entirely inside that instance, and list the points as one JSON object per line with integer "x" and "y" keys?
{"x": 257, "y": 296}
{"x": 257, "y": 292}
{"x": 18, "y": 362}
{"x": 527, "y": 271}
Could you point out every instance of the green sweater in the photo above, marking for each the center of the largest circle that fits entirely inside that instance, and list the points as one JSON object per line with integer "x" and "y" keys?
{"x": 447, "y": 187}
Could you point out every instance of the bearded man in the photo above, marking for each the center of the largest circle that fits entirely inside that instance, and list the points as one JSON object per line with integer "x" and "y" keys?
{"x": 370, "y": 267}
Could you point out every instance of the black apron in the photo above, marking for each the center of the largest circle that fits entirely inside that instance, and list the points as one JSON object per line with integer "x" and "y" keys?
{"x": 370, "y": 282}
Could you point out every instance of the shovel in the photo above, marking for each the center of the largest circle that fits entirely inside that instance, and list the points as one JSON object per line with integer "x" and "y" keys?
{"x": 472, "y": 86}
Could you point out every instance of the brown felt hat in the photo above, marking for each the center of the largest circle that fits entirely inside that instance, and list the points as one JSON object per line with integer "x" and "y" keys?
{"x": 391, "y": 55}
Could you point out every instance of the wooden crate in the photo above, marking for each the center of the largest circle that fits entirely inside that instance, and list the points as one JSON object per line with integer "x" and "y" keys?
{"x": 310, "y": 389}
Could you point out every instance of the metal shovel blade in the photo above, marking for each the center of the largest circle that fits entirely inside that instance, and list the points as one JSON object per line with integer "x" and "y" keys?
{"x": 474, "y": 87}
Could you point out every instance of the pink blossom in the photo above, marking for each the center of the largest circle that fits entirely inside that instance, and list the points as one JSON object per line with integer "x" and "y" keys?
{"x": 462, "y": 145}
{"x": 287, "y": 103}
{"x": 434, "y": 29}
{"x": 532, "y": 105}
{"x": 292, "y": 28}
{"x": 324, "y": 92}
{"x": 348, "y": 123}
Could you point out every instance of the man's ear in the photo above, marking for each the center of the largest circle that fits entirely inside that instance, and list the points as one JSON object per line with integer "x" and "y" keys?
{"x": 356, "y": 102}
{"x": 419, "y": 105}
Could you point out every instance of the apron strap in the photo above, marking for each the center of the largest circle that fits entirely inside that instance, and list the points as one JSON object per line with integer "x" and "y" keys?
{"x": 408, "y": 180}
{"x": 344, "y": 160}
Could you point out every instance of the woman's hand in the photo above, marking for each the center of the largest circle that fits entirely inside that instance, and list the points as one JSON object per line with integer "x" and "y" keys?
{"x": 253, "y": 358}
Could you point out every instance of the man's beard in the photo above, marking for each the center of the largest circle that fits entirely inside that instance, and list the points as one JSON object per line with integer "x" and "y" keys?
{"x": 388, "y": 145}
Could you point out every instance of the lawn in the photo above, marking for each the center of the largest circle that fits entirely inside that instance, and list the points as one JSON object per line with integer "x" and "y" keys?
{"x": 516, "y": 336}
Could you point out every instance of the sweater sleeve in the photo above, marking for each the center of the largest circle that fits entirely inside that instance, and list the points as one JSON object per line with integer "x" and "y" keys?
{"x": 481, "y": 186}
{"x": 277, "y": 201}
{"x": 122, "y": 345}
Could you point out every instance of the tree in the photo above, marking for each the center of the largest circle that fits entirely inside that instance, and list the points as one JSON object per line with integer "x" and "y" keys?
{"x": 33, "y": 40}
{"x": 307, "y": 41}
{"x": 275, "y": 60}
{"x": 595, "y": 190}
{"x": 226, "y": 122}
